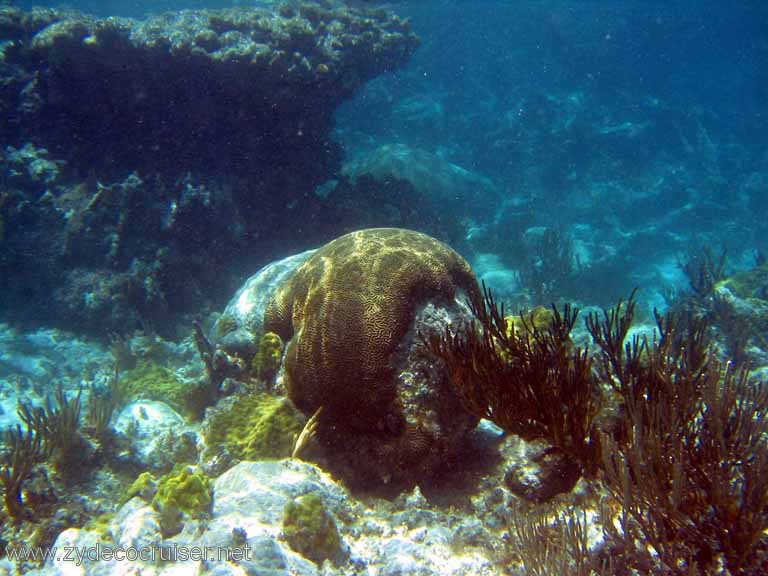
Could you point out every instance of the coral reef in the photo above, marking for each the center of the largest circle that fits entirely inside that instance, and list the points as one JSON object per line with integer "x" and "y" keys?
{"x": 344, "y": 315}
{"x": 192, "y": 85}
{"x": 136, "y": 153}
{"x": 146, "y": 168}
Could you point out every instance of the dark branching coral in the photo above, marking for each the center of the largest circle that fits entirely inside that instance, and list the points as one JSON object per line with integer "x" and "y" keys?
{"x": 102, "y": 404}
{"x": 23, "y": 450}
{"x": 703, "y": 269}
{"x": 553, "y": 270}
{"x": 688, "y": 466}
{"x": 64, "y": 440}
{"x": 50, "y": 433}
{"x": 530, "y": 382}
{"x": 684, "y": 459}
{"x": 547, "y": 544}
{"x": 58, "y": 426}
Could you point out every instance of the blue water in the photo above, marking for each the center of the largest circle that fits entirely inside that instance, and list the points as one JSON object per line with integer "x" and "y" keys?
{"x": 624, "y": 119}
{"x": 639, "y": 128}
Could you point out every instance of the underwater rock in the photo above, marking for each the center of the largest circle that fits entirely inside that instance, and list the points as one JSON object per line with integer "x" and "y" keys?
{"x": 350, "y": 317}
{"x": 255, "y": 493}
{"x": 71, "y": 537}
{"x": 48, "y": 354}
{"x": 135, "y": 524}
{"x": 443, "y": 185}
{"x": 310, "y": 530}
{"x": 739, "y": 309}
{"x": 159, "y": 437}
{"x": 248, "y": 504}
{"x": 541, "y": 474}
{"x": 407, "y": 535}
{"x": 252, "y": 497}
{"x": 29, "y": 167}
{"x": 237, "y": 333}
{"x": 442, "y": 181}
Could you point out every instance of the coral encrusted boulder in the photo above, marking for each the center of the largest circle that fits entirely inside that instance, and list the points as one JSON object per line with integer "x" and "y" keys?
{"x": 351, "y": 317}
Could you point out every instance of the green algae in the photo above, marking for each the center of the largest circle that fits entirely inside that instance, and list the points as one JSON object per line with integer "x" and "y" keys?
{"x": 152, "y": 381}
{"x": 255, "y": 426}
{"x": 310, "y": 530}
{"x": 266, "y": 362}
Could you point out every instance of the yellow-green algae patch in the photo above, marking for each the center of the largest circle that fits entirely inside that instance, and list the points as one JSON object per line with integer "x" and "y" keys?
{"x": 749, "y": 283}
{"x": 152, "y": 381}
{"x": 185, "y": 490}
{"x": 102, "y": 525}
{"x": 538, "y": 319}
{"x": 144, "y": 487}
{"x": 255, "y": 426}
{"x": 266, "y": 362}
{"x": 310, "y": 530}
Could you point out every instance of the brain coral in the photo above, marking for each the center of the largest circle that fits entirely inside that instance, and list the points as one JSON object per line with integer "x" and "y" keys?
{"x": 345, "y": 311}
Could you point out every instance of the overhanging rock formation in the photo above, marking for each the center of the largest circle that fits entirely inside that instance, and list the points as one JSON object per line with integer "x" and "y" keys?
{"x": 236, "y": 89}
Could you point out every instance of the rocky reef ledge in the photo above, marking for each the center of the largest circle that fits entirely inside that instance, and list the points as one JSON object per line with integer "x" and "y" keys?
{"x": 229, "y": 89}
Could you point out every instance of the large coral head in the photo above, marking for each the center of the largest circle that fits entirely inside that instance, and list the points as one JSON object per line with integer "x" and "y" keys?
{"x": 345, "y": 312}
